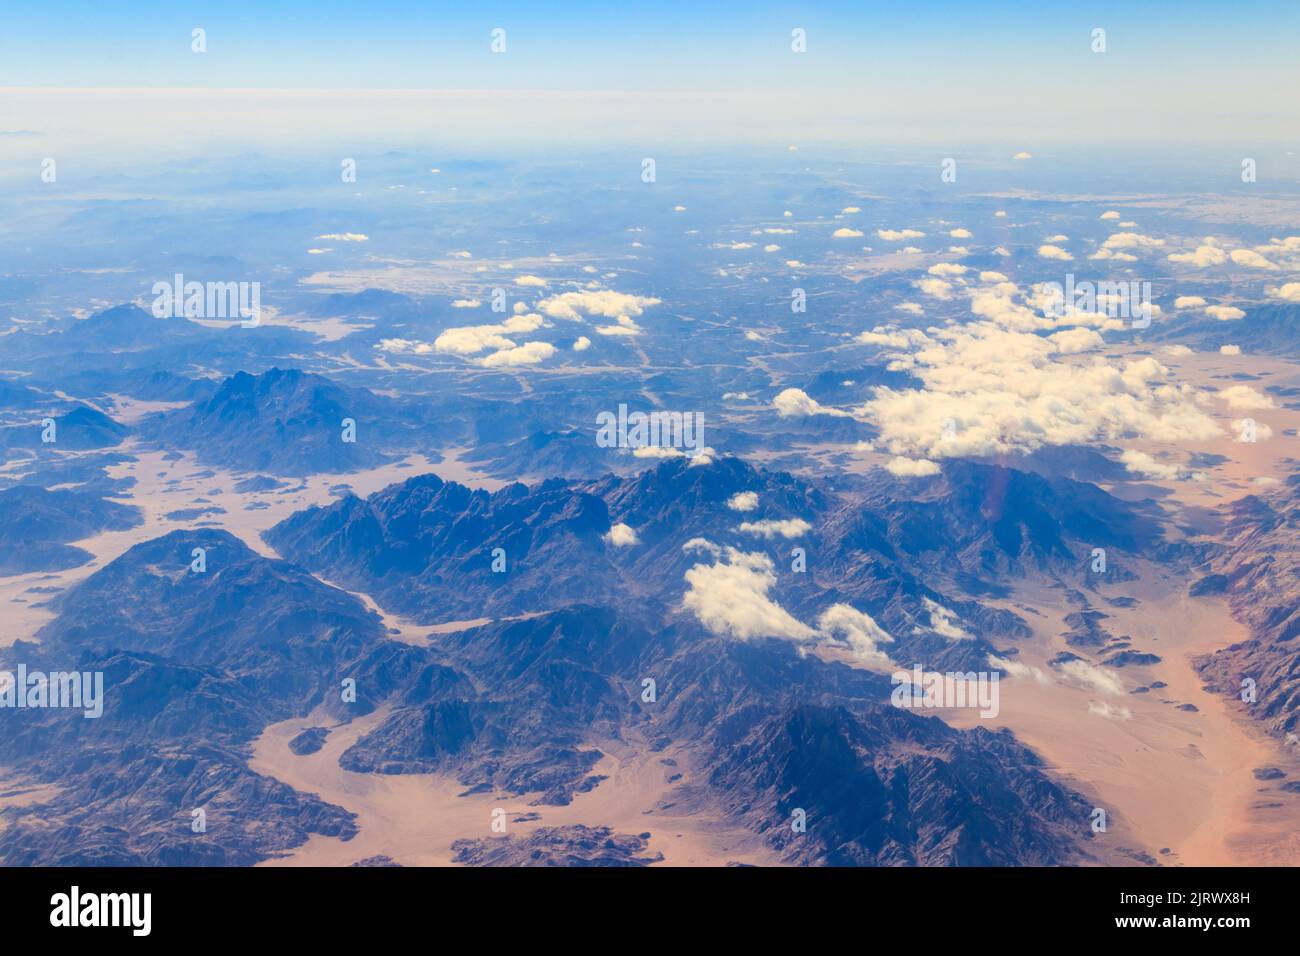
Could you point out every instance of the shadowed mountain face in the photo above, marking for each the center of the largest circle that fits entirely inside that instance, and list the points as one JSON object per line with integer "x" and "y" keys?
{"x": 286, "y": 422}
{"x": 196, "y": 664}
{"x": 1259, "y": 571}
{"x": 39, "y": 524}
{"x": 425, "y": 547}
{"x": 79, "y": 429}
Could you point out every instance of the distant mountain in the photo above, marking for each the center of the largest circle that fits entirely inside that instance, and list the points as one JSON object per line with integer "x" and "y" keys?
{"x": 981, "y": 521}
{"x": 82, "y": 428}
{"x": 285, "y": 422}
{"x": 1259, "y": 570}
{"x": 37, "y": 525}
{"x": 196, "y": 664}
{"x": 1269, "y": 328}
{"x": 425, "y": 547}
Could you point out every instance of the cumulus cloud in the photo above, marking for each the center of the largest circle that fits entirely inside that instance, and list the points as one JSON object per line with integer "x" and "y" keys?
{"x": 938, "y": 288}
{"x": 898, "y": 235}
{"x": 1005, "y": 391}
{"x": 1049, "y": 251}
{"x": 1111, "y": 214}
{"x": 960, "y": 233}
{"x": 1203, "y": 256}
{"x": 846, "y": 624}
{"x": 472, "y": 339}
{"x": 1140, "y": 463}
{"x": 1091, "y": 677}
{"x": 530, "y": 353}
{"x": 1229, "y": 349}
{"x": 773, "y": 528}
{"x": 944, "y": 621}
{"x": 1100, "y": 708}
{"x": 947, "y": 269}
{"x": 1019, "y": 669}
{"x": 743, "y": 501}
{"x": 730, "y": 596}
{"x": 912, "y": 467}
{"x": 1287, "y": 292}
{"x": 1244, "y": 398}
{"x": 1188, "y": 302}
{"x": 1225, "y": 313}
{"x": 1023, "y": 155}
{"x": 581, "y": 344}
{"x": 621, "y": 535}
{"x": 1250, "y": 259}
{"x": 603, "y": 302}
{"x": 845, "y": 233}
{"x": 531, "y": 281}
{"x": 794, "y": 402}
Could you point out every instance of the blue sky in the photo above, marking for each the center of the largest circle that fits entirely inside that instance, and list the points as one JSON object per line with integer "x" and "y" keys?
{"x": 1009, "y": 73}
{"x": 666, "y": 45}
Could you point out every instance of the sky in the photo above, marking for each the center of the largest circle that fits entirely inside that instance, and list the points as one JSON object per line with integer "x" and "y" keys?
{"x": 999, "y": 72}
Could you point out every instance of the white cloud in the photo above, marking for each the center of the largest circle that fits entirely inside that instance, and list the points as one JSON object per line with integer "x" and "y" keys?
{"x": 1244, "y": 398}
{"x": 1053, "y": 252}
{"x": 1250, "y": 259}
{"x": 845, "y": 233}
{"x": 581, "y": 344}
{"x": 912, "y": 467}
{"x": 1100, "y": 708}
{"x": 938, "y": 288}
{"x": 345, "y": 237}
{"x": 1203, "y": 256}
{"x": 1109, "y": 215}
{"x": 730, "y": 596}
{"x": 1092, "y": 677}
{"x": 743, "y": 501}
{"x": 1188, "y": 302}
{"x": 621, "y": 535}
{"x": 1225, "y": 313}
{"x": 1019, "y": 669}
{"x": 531, "y": 281}
{"x": 1229, "y": 349}
{"x": 1288, "y": 292}
{"x": 960, "y": 233}
{"x": 898, "y": 235}
{"x": 1023, "y": 155}
{"x": 857, "y": 629}
{"x": 794, "y": 402}
{"x": 944, "y": 621}
{"x": 1140, "y": 463}
{"x": 602, "y": 302}
{"x": 776, "y": 527}
{"x": 530, "y": 353}
{"x": 471, "y": 339}
{"x": 947, "y": 269}
{"x": 465, "y": 303}
{"x": 849, "y": 210}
